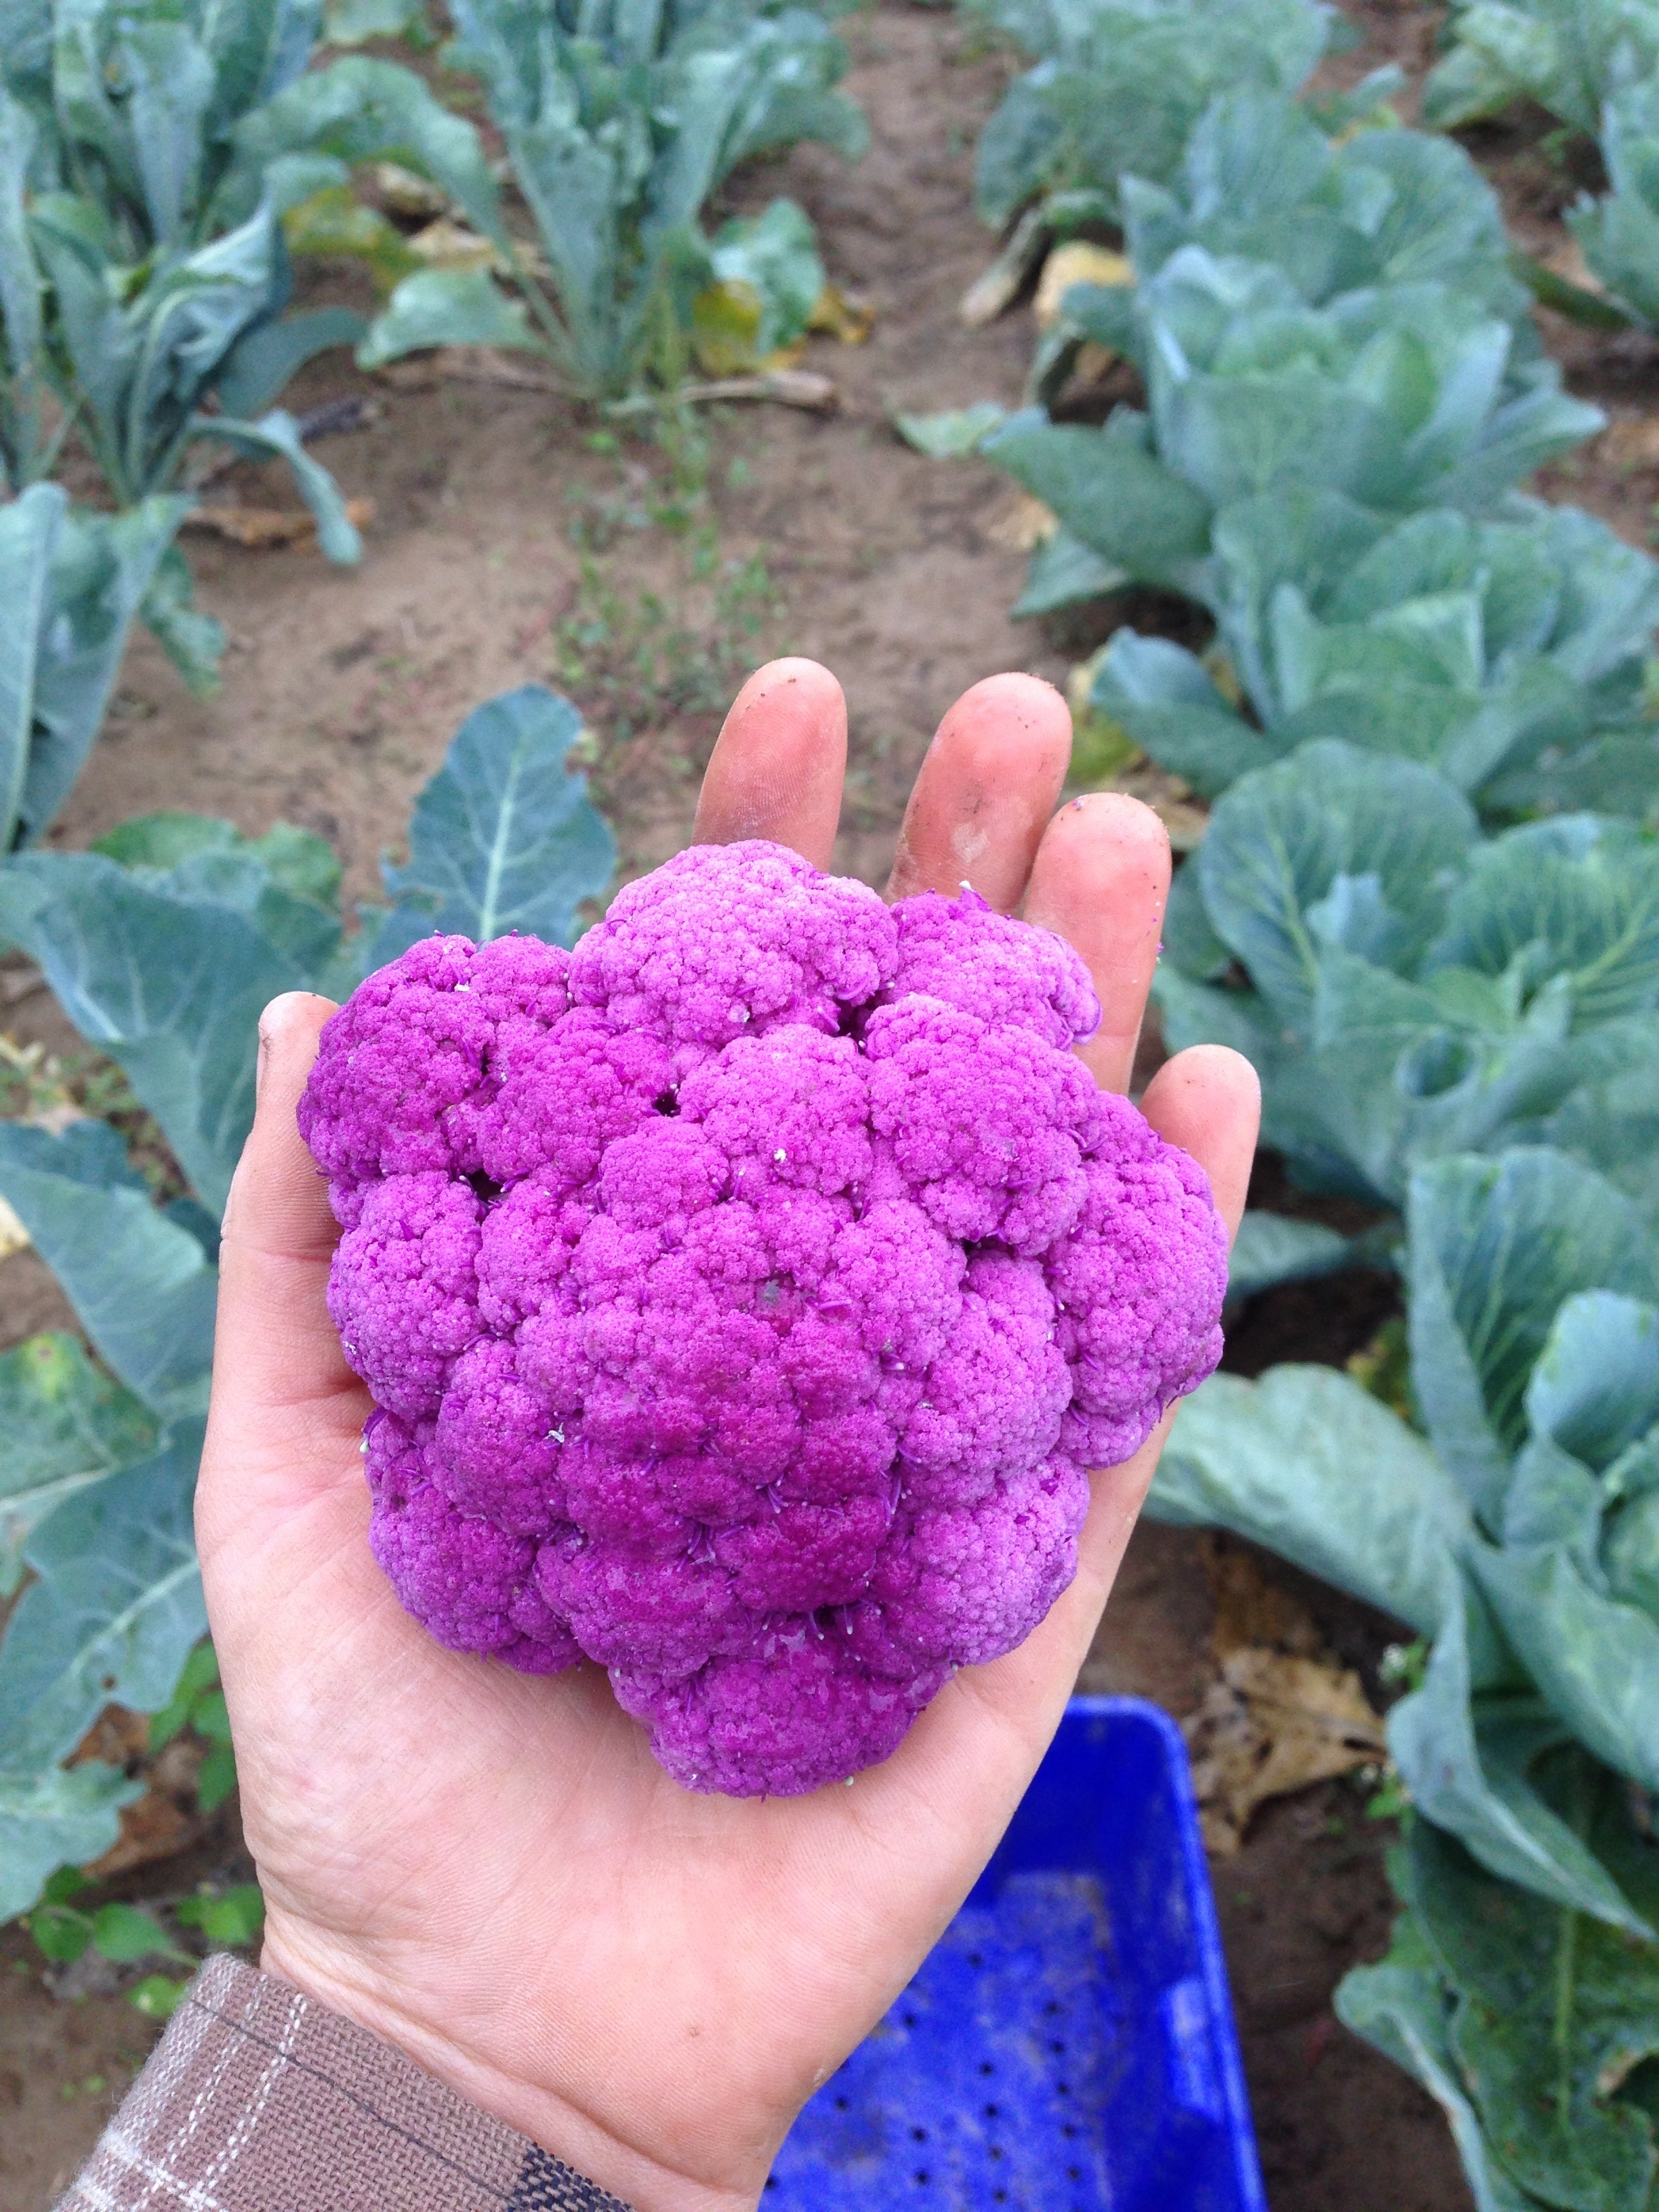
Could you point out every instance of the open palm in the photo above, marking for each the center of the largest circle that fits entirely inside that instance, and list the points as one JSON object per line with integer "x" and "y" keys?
{"x": 488, "y": 1868}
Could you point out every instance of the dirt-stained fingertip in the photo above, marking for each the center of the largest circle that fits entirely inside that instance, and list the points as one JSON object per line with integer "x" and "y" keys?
{"x": 778, "y": 763}
{"x": 991, "y": 779}
{"x": 1100, "y": 880}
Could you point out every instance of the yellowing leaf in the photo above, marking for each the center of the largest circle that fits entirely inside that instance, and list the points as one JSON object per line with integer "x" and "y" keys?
{"x": 837, "y": 317}
{"x": 1022, "y": 523}
{"x": 335, "y": 222}
{"x": 1101, "y": 746}
{"x": 447, "y": 244}
{"x": 726, "y": 320}
{"x": 1224, "y": 677}
{"x": 1076, "y": 263}
{"x": 402, "y": 192}
{"x": 1170, "y": 800}
{"x": 14, "y": 1237}
{"x": 725, "y": 325}
{"x": 1093, "y": 360}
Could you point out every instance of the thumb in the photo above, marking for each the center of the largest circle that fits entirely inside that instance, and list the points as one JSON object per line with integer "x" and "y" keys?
{"x": 282, "y": 1389}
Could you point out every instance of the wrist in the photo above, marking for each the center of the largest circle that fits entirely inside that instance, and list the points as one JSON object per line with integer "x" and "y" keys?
{"x": 620, "y": 2159}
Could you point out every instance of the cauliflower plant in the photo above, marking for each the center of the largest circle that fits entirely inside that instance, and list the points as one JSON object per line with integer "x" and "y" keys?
{"x": 744, "y": 1295}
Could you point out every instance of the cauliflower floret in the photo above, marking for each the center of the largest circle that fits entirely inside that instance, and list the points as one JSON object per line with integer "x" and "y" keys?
{"x": 469, "y": 1582}
{"x": 964, "y": 952}
{"x": 744, "y": 1295}
{"x": 704, "y": 951}
{"x": 375, "y": 1107}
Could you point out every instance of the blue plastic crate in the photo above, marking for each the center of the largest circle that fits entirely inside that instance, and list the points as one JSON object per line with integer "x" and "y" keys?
{"x": 1069, "y": 2045}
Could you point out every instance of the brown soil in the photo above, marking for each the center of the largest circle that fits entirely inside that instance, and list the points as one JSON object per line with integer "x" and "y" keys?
{"x": 341, "y": 690}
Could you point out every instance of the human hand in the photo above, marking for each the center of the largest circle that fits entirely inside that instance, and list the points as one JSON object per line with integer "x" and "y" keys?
{"x": 489, "y": 1870}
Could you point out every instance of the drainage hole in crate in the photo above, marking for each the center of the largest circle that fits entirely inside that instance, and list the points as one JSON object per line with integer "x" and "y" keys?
{"x": 1062, "y": 2088}
{"x": 918, "y": 2135}
{"x": 1055, "y": 2044}
{"x": 1069, "y": 2128}
{"x": 841, "y": 2104}
{"x": 998, "y": 2197}
{"x": 986, "y": 2066}
{"x": 922, "y": 2177}
{"x": 908, "y": 2017}
{"x": 975, "y": 1959}
{"x": 993, "y": 2150}
{"x": 992, "y": 2111}
{"x": 1053, "y": 2005}
{"x": 1074, "y": 2173}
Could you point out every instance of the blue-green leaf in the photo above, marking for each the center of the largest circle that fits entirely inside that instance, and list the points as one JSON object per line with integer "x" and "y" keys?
{"x": 1465, "y": 1758}
{"x": 1310, "y": 1464}
{"x": 1402, "y": 2006}
{"x": 55, "y": 1816}
{"x": 63, "y": 1424}
{"x": 1594, "y": 1659}
{"x": 1271, "y": 1248}
{"x": 1109, "y": 493}
{"x": 278, "y": 434}
{"x": 193, "y": 641}
{"x": 1553, "y": 2015}
{"x": 103, "y": 568}
{"x": 143, "y": 1287}
{"x": 1595, "y": 1388}
{"x": 116, "y": 1605}
{"x": 28, "y": 529}
{"x": 361, "y": 109}
{"x": 1063, "y": 571}
{"x": 1496, "y": 1246}
{"x": 1165, "y": 699}
{"x": 260, "y": 364}
{"x": 504, "y": 837}
{"x": 169, "y": 978}
{"x": 952, "y": 436}
{"x": 448, "y": 307}
{"x": 1329, "y": 823}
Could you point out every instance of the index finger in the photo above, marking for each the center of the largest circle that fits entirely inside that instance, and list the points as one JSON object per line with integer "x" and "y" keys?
{"x": 778, "y": 764}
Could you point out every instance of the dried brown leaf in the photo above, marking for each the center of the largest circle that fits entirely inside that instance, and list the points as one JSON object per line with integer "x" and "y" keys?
{"x": 400, "y": 192}
{"x": 471, "y": 365}
{"x": 837, "y": 316}
{"x": 1273, "y": 1725}
{"x": 1631, "y": 443}
{"x": 1021, "y": 522}
{"x": 263, "y": 528}
{"x": 1252, "y": 1610}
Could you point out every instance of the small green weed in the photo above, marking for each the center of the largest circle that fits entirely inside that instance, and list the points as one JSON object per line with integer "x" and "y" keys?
{"x": 638, "y": 657}
{"x": 198, "y": 1703}
{"x": 636, "y": 662}
{"x": 64, "y": 1931}
{"x": 1383, "y": 1368}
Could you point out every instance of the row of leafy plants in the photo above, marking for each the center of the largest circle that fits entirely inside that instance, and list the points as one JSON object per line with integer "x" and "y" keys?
{"x": 161, "y": 167}
{"x": 160, "y": 164}
{"x": 162, "y": 942}
{"x": 1426, "y": 906}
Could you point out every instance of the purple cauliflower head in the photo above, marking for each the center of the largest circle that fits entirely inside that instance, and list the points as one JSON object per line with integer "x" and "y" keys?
{"x": 744, "y": 1296}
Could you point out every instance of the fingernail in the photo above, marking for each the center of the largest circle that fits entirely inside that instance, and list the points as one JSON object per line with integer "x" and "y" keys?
{"x": 260, "y": 1064}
